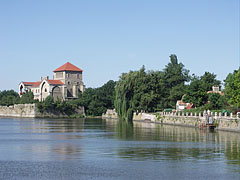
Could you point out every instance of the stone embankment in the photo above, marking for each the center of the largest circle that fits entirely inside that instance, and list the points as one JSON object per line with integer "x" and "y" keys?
{"x": 229, "y": 123}
{"x": 31, "y": 111}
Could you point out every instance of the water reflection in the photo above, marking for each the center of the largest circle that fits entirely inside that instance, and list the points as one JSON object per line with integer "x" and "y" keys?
{"x": 74, "y": 139}
{"x": 52, "y": 125}
{"x": 165, "y": 142}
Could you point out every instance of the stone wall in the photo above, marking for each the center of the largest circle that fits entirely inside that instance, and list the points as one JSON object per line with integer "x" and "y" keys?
{"x": 228, "y": 123}
{"x": 18, "y": 110}
{"x": 110, "y": 114}
{"x": 31, "y": 111}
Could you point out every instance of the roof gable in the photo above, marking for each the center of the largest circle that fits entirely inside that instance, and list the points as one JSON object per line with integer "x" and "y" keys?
{"x": 68, "y": 67}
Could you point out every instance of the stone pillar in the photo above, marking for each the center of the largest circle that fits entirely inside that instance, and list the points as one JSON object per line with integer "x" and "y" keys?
{"x": 74, "y": 89}
{"x": 208, "y": 112}
{"x": 200, "y": 114}
{"x": 195, "y": 114}
{"x": 220, "y": 114}
{"x": 225, "y": 114}
{"x": 64, "y": 92}
{"x": 191, "y": 114}
{"x": 216, "y": 115}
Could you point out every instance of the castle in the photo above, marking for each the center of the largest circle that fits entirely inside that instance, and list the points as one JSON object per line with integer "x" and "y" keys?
{"x": 66, "y": 84}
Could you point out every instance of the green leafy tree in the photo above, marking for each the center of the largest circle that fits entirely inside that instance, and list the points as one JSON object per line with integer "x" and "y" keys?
{"x": 196, "y": 91}
{"x": 97, "y": 100}
{"x": 8, "y": 97}
{"x": 175, "y": 76}
{"x": 150, "y": 91}
{"x": 232, "y": 88}
{"x": 27, "y": 98}
{"x": 131, "y": 94}
{"x": 216, "y": 101}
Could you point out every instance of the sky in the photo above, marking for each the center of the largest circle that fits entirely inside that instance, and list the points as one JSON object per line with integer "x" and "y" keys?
{"x": 108, "y": 37}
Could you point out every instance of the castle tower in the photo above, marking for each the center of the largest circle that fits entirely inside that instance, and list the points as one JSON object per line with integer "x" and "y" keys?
{"x": 71, "y": 76}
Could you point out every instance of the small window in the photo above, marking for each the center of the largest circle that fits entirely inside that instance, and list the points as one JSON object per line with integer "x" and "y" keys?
{"x": 68, "y": 82}
{"x": 78, "y": 76}
{"x": 77, "y": 83}
{"x": 67, "y": 75}
{"x": 45, "y": 89}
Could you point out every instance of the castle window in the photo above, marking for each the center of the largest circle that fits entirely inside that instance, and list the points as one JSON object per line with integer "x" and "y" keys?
{"x": 68, "y": 82}
{"x": 45, "y": 89}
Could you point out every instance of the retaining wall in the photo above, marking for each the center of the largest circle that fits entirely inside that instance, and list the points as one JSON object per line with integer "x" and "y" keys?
{"x": 229, "y": 123}
{"x": 31, "y": 111}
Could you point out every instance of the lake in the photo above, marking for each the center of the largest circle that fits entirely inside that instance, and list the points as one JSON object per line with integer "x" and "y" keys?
{"x": 107, "y": 149}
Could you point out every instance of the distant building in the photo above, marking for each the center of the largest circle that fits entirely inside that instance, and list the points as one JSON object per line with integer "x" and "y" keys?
{"x": 66, "y": 84}
{"x": 180, "y": 105}
{"x": 215, "y": 89}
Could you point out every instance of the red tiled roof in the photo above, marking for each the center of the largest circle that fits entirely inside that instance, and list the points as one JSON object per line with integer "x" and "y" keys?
{"x": 55, "y": 82}
{"x": 28, "y": 83}
{"x": 33, "y": 84}
{"x": 36, "y": 84}
{"x": 68, "y": 67}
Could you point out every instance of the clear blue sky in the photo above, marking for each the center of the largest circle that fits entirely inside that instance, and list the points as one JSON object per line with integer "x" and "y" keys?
{"x": 108, "y": 37}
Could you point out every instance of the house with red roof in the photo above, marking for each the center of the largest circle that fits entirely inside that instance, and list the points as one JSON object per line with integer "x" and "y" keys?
{"x": 66, "y": 84}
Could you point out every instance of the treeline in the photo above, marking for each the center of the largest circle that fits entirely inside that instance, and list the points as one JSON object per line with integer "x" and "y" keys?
{"x": 157, "y": 90}
{"x": 10, "y": 97}
{"x": 148, "y": 91}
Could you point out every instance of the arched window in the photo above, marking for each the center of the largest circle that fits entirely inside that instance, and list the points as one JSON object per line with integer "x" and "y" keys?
{"x": 45, "y": 89}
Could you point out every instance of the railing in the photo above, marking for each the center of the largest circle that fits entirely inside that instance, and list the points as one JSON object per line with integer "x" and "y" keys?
{"x": 200, "y": 114}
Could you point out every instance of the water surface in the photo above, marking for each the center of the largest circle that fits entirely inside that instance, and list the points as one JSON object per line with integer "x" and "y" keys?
{"x": 107, "y": 149}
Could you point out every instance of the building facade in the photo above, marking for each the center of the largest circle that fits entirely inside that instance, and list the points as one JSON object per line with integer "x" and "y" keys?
{"x": 66, "y": 84}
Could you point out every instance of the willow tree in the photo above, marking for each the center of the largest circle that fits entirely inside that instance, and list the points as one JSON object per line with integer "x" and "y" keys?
{"x": 128, "y": 91}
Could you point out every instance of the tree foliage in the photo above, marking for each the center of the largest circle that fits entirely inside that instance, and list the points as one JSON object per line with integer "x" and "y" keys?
{"x": 232, "y": 88}
{"x": 175, "y": 76}
{"x": 8, "y": 97}
{"x": 97, "y": 100}
{"x": 196, "y": 91}
{"x": 216, "y": 101}
{"x": 27, "y": 98}
{"x": 58, "y": 106}
{"x": 149, "y": 91}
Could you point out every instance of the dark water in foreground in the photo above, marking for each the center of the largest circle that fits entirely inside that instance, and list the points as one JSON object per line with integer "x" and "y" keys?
{"x": 106, "y": 149}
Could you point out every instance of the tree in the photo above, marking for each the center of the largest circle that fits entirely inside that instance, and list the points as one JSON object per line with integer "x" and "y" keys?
{"x": 27, "y": 98}
{"x": 175, "y": 76}
{"x": 216, "y": 101}
{"x": 8, "y": 97}
{"x": 150, "y": 91}
{"x": 97, "y": 100}
{"x": 196, "y": 91}
{"x": 232, "y": 88}
{"x": 129, "y": 90}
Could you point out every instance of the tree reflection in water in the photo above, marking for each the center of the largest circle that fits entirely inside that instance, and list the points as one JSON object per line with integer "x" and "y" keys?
{"x": 165, "y": 142}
